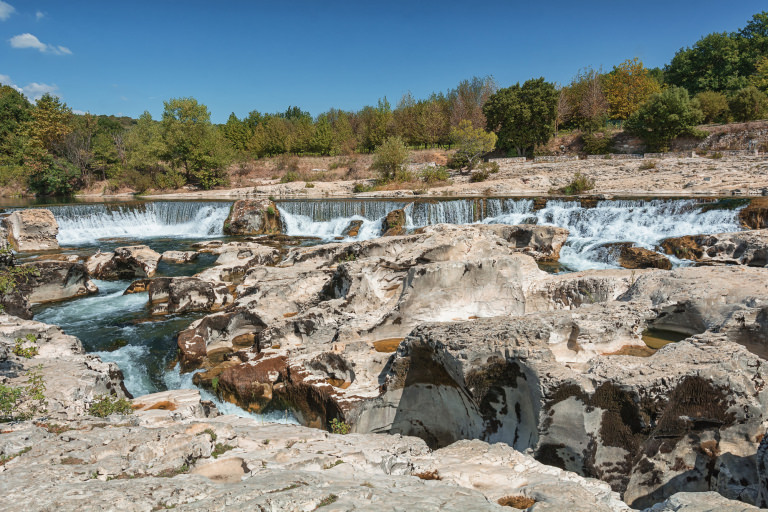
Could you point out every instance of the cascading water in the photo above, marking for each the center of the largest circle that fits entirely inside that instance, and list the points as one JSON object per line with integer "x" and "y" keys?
{"x": 592, "y": 230}
{"x": 83, "y": 224}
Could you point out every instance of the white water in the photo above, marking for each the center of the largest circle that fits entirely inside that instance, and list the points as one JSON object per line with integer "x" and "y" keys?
{"x": 83, "y": 224}
{"x": 645, "y": 223}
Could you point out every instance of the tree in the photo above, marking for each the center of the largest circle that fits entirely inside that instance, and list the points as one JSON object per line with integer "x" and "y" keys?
{"x": 237, "y": 132}
{"x": 664, "y": 116}
{"x": 192, "y": 143}
{"x": 468, "y": 98}
{"x": 390, "y": 159}
{"x": 471, "y": 143}
{"x": 714, "y": 63}
{"x": 714, "y": 106}
{"x": 523, "y": 116}
{"x": 748, "y": 104}
{"x": 627, "y": 86}
{"x": 15, "y": 114}
{"x": 760, "y": 77}
{"x": 375, "y": 125}
{"x": 588, "y": 103}
{"x": 51, "y": 122}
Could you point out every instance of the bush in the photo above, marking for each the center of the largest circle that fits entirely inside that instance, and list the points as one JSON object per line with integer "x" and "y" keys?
{"x": 749, "y": 104}
{"x": 479, "y": 175}
{"x": 287, "y": 162}
{"x": 664, "y": 116}
{"x": 361, "y": 187}
{"x": 339, "y": 427}
{"x": 26, "y": 352}
{"x": 470, "y": 143}
{"x": 24, "y": 402}
{"x": 580, "y": 183}
{"x": 714, "y": 106}
{"x": 390, "y": 160}
{"x": 105, "y": 405}
{"x": 435, "y": 174}
{"x": 647, "y": 165}
{"x": 596, "y": 144}
{"x": 490, "y": 167}
{"x": 54, "y": 178}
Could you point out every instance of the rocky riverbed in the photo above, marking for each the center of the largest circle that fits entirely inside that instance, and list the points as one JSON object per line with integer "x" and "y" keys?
{"x": 467, "y": 377}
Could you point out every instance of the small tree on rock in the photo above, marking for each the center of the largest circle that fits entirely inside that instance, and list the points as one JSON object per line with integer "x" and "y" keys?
{"x": 390, "y": 160}
{"x": 471, "y": 143}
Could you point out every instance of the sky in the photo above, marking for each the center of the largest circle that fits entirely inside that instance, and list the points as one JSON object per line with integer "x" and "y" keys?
{"x": 122, "y": 58}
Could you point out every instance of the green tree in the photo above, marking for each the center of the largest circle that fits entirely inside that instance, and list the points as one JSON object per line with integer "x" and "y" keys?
{"x": 748, "y": 104}
{"x": 760, "y": 77}
{"x": 51, "y": 122}
{"x": 322, "y": 140}
{"x": 471, "y": 143}
{"x": 192, "y": 143}
{"x": 714, "y": 106}
{"x": 237, "y": 133}
{"x": 523, "y": 116}
{"x": 714, "y": 63}
{"x": 627, "y": 86}
{"x": 376, "y": 123}
{"x": 664, "y": 116}
{"x": 390, "y": 158}
{"x": 588, "y": 105}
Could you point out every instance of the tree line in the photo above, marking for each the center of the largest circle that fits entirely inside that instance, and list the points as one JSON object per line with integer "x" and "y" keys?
{"x": 47, "y": 149}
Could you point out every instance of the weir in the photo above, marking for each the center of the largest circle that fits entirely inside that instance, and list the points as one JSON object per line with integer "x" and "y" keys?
{"x": 83, "y": 224}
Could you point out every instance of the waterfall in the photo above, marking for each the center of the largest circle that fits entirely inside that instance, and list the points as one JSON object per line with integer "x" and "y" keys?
{"x": 642, "y": 222}
{"x": 82, "y": 224}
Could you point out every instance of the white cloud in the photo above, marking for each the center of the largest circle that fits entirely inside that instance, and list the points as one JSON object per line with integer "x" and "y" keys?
{"x": 5, "y": 10}
{"x": 32, "y": 90}
{"x": 39, "y": 15}
{"x": 28, "y": 40}
{"x": 78, "y": 112}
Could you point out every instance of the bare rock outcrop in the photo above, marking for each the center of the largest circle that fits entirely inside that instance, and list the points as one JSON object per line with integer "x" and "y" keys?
{"x": 32, "y": 230}
{"x": 639, "y": 257}
{"x": 71, "y": 378}
{"x": 253, "y": 217}
{"x": 755, "y": 215}
{"x": 178, "y": 256}
{"x": 741, "y": 248}
{"x": 125, "y": 263}
{"x": 56, "y": 280}
{"x": 185, "y": 294}
{"x": 394, "y": 223}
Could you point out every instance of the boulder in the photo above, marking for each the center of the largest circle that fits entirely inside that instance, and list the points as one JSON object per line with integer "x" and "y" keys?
{"x": 125, "y": 263}
{"x": 178, "y": 256}
{"x": 253, "y": 217}
{"x": 175, "y": 295}
{"x": 32, "y": 230}
{"x": 755, "y": 215}
{"x": 394, "y": 223}
{"x": 741, "y": 248}
{"x": 639, "y": 257}
{"x": 56, "y": 280}
{"x": 353, "y": 229}
{"x": 541, "y": 242}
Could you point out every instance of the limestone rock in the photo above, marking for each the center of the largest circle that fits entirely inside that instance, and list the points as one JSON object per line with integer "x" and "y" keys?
{"x": 125, "y": 263}
{"x": 640, "y": 257}
{"x": 168, "y": 407}
{"x": 56, "y": 280}
{"x": 755, "y": 215}
{"x": 353, "y": 229}
{"x": 253, "y": 217}
{"x": 32, "y": 230}
{"x": 394, "y": 223}
{"x": 178, "y": 256}
{"x": 741, "y": 248}
{"x": 185, "y": 294}
{"x": 72, "y": 378}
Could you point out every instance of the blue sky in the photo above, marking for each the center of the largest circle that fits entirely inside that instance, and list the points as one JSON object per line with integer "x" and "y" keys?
{"x": 109, "y": 57}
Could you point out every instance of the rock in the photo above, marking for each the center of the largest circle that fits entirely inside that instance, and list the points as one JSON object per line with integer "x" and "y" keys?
{"x": 138, "y": 286}
{"x": 394, "y": 223}
{"x": 253, "y": 217}
{"x": 541, "y": 242}
{"x": 700, "y": 502}
{"x": 639, "y": 257}
{"x": 32, "y": 230}
{"x": 125, "y": 263}
{"x": 56, "y": 280}
{"x": 184, "y": 294}
{"x": 353, "y": 229}
{"x": 168, "y": 407}
{"x": 762, "y": 472}
{"x": 755, "y": 215}
{"x": 239, "y": 464}
{"x": 178, "y": 256}
{"x": 740, "y": 248}
{"x": 72, "y": 378}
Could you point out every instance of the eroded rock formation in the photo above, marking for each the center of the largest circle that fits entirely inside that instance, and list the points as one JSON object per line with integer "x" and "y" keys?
{"x": 125, "y": 263}
{"x": 253, "y": 217}
{"x": 32, "y": 230}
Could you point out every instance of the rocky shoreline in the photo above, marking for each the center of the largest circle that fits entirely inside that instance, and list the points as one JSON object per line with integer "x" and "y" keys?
{"x": 468, "y": 378}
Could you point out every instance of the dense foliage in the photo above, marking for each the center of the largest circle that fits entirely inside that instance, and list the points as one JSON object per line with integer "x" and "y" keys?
{"x": 47, "y": 149}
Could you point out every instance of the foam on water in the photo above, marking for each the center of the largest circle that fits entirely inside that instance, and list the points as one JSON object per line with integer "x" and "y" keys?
{"x": 83, "y": 224}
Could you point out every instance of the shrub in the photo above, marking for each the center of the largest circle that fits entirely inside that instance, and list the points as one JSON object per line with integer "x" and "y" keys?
{"x": 596, "y": 144}
{"x": 390, "y": 159}
{"x": 580, "y": 183}
{"x": 489, "y": 167}
{"x": 290, "y": 176}
{"x": 339, "y": 427}
{"x": 26, "y": 352}
{"x": 478, "y": 176}
{"x": 24, "y": 402}
{"x": 435, "y": 174}
{"x": 714, "y": 106}
{"x": 287, "y": 162}
{"x": 309, "y": 185}
{"x": 105, "y": 405}
{"x": 748, "y": 104}
{"x": 664, "y": 116}
{"x": 647, "y": 165}
{"x": 361, "y": 187}
{"x": 470, "y": 143}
